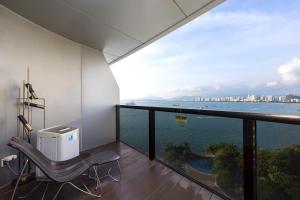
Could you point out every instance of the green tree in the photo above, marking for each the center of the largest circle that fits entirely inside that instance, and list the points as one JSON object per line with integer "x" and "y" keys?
{"x": 177, "y": 155}
{"x": 278, "y": 171}
{"x": 228, "y": 167}
{"x": 282, "y": 171}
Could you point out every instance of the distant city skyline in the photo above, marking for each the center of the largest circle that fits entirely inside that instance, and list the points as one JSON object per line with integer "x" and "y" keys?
{"x": 252, "y": 98}
{"x": 238, "y": 48}
{"x": 290, "y": 98}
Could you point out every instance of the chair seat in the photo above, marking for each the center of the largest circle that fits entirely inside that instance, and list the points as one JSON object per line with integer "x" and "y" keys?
{"x": 103, "y": 157}
{"x": 62, "y": 171}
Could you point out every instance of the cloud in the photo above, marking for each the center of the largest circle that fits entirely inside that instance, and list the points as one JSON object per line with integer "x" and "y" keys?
{"x": 233, "y": 18}
{"x": 290, "y": 72}
{"x": 203, "y": 90}
{"x": 183, "y": 91}
{"x": 213, "y": 55}
{"x": 272, "y": 83}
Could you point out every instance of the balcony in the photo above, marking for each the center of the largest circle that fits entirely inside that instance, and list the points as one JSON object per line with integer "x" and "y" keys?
{"x": 230, "y": 158}
{"x": 141, "y": 179}
{"x": 67, "y": 46}
{"x": 234, "y": 155}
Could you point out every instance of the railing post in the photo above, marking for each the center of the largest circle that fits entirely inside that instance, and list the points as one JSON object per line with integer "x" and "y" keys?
{"x": 249, "y": 147}
{"x": 117, "y": 123}
{"x": 151, "y": 134}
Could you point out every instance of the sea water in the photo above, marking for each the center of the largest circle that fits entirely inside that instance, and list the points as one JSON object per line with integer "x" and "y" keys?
{"x": 201, "y": 131}
{"x": 260, "y": 107}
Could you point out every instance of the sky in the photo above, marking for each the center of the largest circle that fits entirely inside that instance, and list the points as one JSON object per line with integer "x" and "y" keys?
{"x": 240, "y": 47}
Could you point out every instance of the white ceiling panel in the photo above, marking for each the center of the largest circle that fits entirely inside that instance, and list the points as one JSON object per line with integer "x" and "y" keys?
{"x": 109, "y": 58}
{"x": 117, "y": 27}
{"x": 58, "y": 17}
{"x": 141, "y": 19}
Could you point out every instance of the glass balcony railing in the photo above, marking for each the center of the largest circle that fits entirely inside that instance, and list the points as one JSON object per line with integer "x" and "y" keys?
{"x": 208, "y": 149}
{"x": 234, "y": 155}
{"x": 278, "y": 161}
{"x": 134, "y": 128}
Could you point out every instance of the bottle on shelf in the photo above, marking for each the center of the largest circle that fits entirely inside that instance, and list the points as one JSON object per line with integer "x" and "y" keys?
{"x": 34, "y": 105}
{"x": 31, "y": 91}
{"x": 25, "y": 123}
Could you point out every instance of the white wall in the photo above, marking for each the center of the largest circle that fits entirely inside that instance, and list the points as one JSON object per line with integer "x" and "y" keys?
{"x": 75, "y": 80}
{"x": 100, "y": 94}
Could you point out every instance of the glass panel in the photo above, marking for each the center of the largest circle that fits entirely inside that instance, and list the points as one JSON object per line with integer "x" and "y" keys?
{"x": 208, "y": 149}
{"x": 134, "y": 128}
{"x": 278, "y": 161}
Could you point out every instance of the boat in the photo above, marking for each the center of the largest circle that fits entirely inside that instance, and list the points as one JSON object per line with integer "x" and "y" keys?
{"x": 130, "y": 103}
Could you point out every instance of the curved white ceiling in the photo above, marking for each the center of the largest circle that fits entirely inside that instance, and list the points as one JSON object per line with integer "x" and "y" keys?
{"x": 116, "y": 27}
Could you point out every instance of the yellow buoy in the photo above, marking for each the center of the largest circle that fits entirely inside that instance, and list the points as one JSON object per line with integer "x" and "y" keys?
{"x": 181, "y": 119}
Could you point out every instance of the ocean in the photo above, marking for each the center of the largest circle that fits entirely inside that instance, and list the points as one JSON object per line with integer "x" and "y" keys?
{"x": 270, "y": 108}
{"x": 201, "y": 131}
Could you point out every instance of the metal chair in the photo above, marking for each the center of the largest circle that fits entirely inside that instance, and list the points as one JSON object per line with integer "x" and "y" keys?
{"x": 63, "y": 172}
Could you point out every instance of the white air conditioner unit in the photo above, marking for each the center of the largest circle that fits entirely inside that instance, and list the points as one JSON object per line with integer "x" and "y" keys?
{"x": 57, "y": 143}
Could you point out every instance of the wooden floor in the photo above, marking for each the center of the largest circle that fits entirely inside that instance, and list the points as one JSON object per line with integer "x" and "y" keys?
{"x": 141, "y": 180}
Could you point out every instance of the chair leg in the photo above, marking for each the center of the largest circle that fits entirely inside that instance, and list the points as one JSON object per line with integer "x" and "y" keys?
{"x": 106, "y": 175}
{"x": 45, "y": 191}
{"x": 97, "y": 179}
{"x": 119, "y": 170}
{"x": 79, "y": 189}
{"x": 87, "y": 189}
{"x": 23, "y": 169}
{"x": 111, "y": 176}
{"x": 30, "y": 192}
{"x": 59, "y": 189}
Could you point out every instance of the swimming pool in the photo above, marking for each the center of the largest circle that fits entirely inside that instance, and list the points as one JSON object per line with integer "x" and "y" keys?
{"x": 202, "y": 164}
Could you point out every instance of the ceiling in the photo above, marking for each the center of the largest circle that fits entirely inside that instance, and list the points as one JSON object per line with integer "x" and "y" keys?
{"x": 116, "y": 27}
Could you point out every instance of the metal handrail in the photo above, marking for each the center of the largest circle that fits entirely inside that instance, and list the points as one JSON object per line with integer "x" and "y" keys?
{"x": 287, "y": 119}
